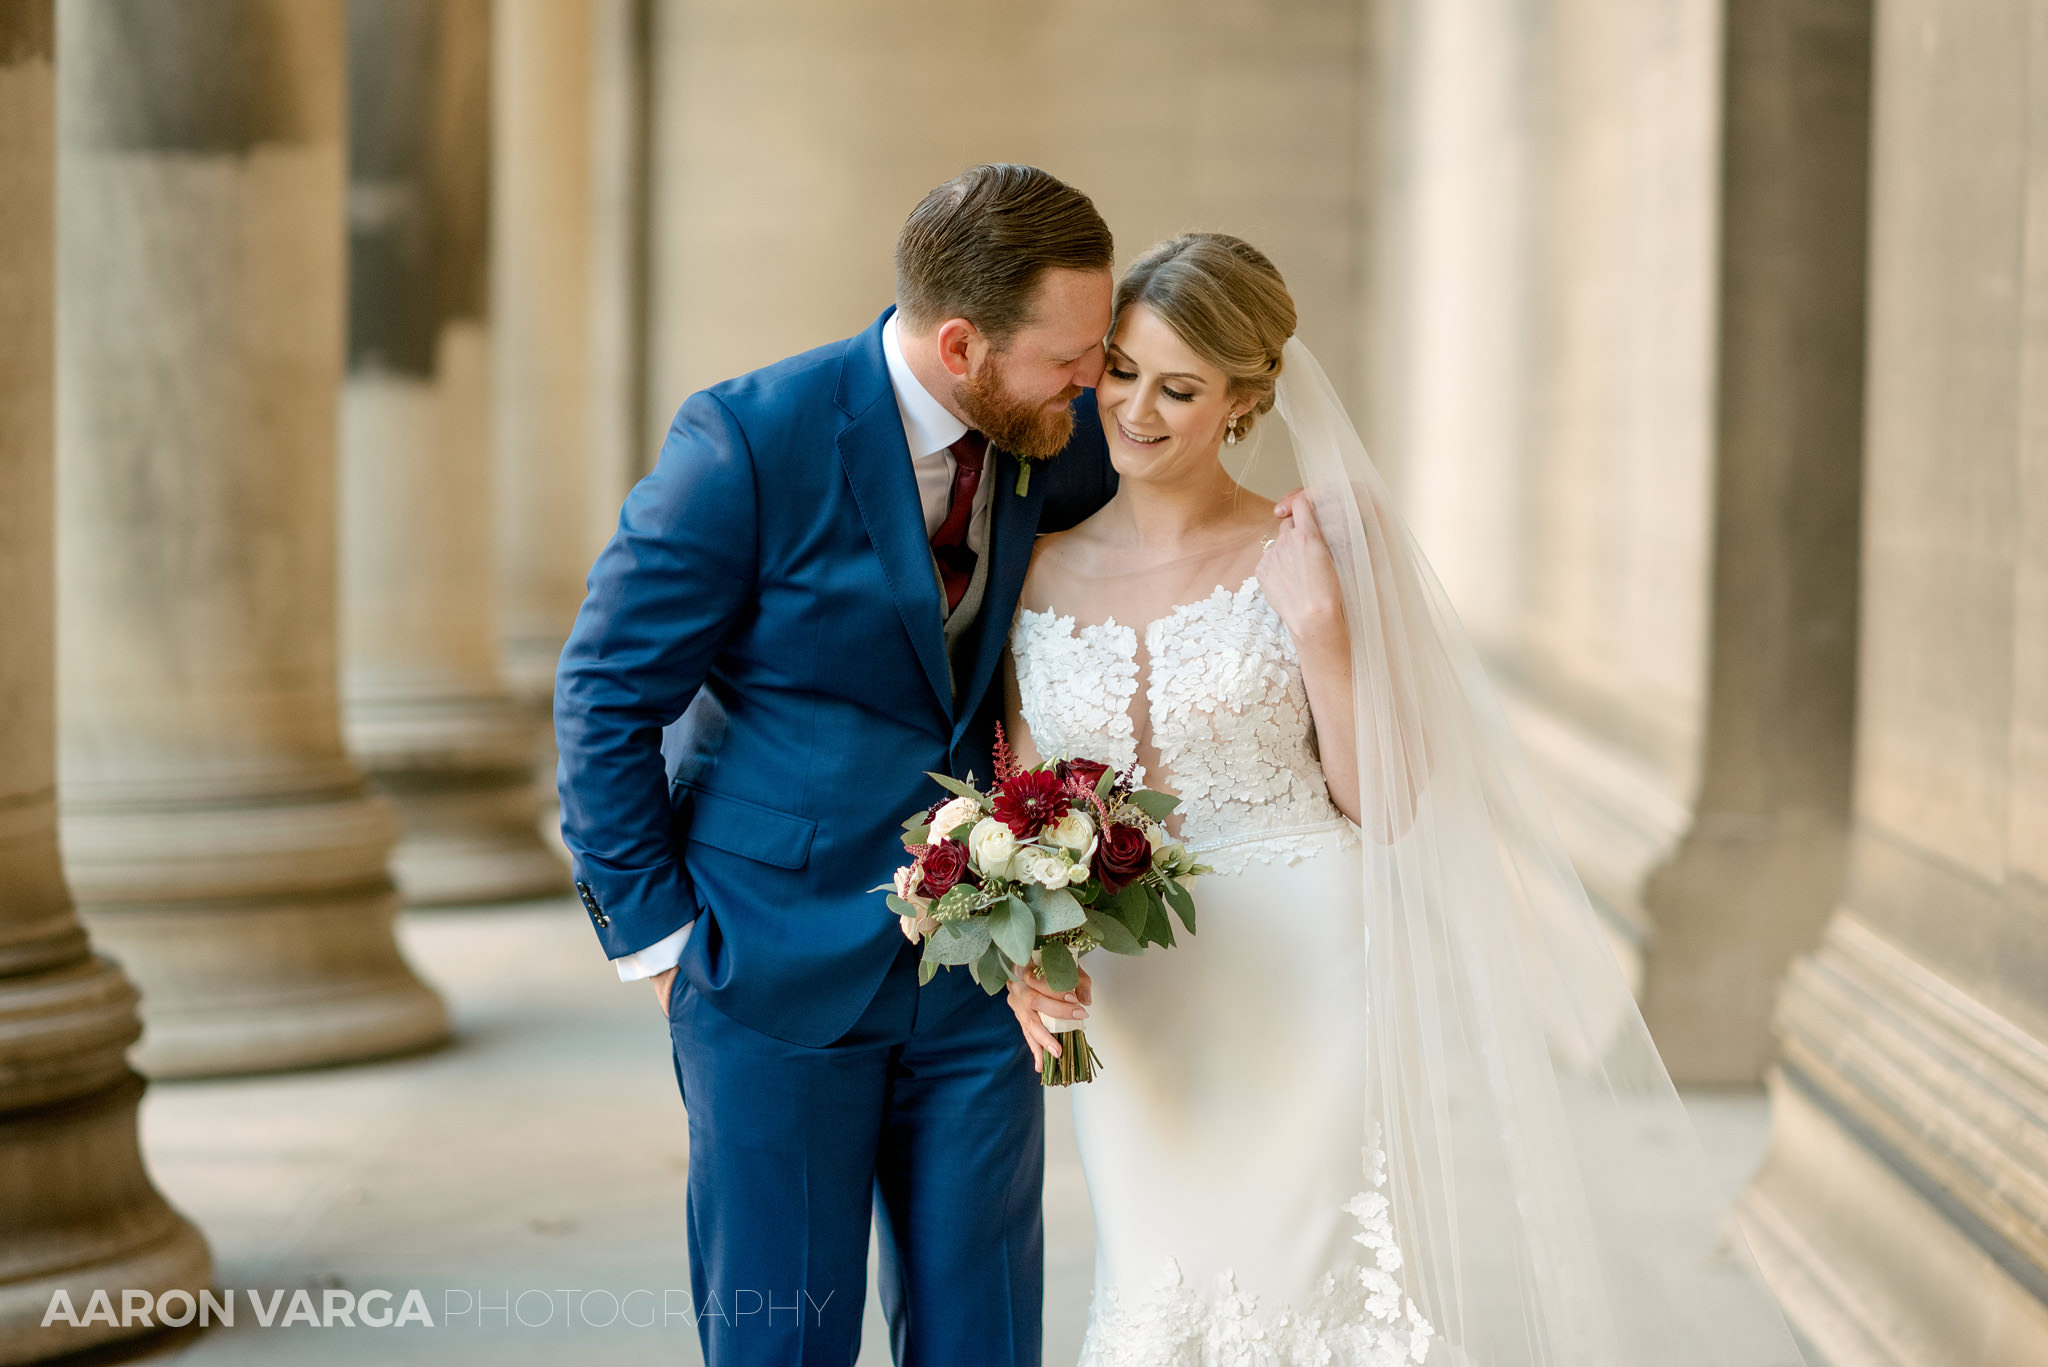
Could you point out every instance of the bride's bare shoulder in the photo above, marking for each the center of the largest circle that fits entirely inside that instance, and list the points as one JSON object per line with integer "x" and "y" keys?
{"x": 1053, "y": 557}
{"x": 1032, "y": 595}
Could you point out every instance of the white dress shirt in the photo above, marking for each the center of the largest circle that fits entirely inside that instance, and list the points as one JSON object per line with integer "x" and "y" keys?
{"x": 929, "y": 431}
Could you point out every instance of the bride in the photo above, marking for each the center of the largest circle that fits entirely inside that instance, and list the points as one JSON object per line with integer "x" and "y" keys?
{"x": 1392, "y": 1103}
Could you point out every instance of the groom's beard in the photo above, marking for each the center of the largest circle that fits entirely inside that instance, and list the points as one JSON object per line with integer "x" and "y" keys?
{"x": 1034, "y": 431}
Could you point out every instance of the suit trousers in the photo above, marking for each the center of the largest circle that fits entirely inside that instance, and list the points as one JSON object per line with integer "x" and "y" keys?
{"x": 925, "y": 1118}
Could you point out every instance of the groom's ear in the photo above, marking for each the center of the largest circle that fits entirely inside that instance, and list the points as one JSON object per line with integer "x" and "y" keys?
{"x": 961, "y": 346}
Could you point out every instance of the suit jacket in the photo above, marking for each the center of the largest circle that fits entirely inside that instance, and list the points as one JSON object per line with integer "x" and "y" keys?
{"x": 769, "y": 603}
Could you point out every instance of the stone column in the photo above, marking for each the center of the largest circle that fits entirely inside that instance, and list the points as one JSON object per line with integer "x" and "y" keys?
{"x": 563, "y": 291}
{"x": 76, "y": 1204}
{"x": 558, "y": 234}
{"x": 1761, "y": 865}
{"x": 1542, "y": 372}
{"x": 219, "y": 840}
{"x": 428, "y": 715}
{"x": 1902, "y": 1210}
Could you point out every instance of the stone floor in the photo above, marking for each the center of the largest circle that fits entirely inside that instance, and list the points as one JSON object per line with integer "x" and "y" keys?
{"x": 525, "y": 1179}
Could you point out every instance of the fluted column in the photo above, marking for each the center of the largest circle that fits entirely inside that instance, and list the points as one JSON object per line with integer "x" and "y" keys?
{"x": 1902, "y": 1210}
{"x": 1761, "y": 865}
{"x": 428, "y": 714}
{"x": 78, "y": 1210}
{"x": 220, "y": 842}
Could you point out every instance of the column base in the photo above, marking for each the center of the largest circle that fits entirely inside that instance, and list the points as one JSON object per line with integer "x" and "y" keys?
{"x": 471, "y": 838}
{"x": 460, "y": 772}
{"x": 1869, "y": 1271}
{"x": 275, "y": 985}
{"x": 83, "y": 1217}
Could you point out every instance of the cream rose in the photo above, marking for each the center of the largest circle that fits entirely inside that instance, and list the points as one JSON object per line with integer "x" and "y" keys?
{"x": 960, "y": 811}
{"x": 914, "y": 929}
{"x": 1074, "y": 832}
{"x": 1033, "y": 864}
{"x": 993, "y": 846}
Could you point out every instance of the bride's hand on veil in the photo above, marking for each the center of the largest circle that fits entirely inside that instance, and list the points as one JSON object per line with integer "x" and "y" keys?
{"x": 1029, "y": 996}
{"x": 1299, "y": 579}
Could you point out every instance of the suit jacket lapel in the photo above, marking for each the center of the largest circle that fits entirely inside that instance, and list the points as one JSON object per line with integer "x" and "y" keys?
{"x": 877, "y": 464}
{"x": 1012, "y": 528}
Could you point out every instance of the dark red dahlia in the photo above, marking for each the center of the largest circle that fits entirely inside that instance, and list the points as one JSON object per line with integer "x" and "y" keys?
{"x": 1122, "y": 856}
{"x": 1030, "y": 801}
{"x": 1086, "y": 770}
{"x": 944, "y": 863}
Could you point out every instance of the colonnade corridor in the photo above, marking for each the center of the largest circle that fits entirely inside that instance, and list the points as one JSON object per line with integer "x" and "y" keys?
{"x": 1703, "y": 345}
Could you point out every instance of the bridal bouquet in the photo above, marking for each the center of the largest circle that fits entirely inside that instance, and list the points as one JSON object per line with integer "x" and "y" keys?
{"x": 1050, "y": 863}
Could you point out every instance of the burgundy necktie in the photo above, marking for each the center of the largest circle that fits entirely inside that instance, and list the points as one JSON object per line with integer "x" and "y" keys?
{"x": 949, "y": 542}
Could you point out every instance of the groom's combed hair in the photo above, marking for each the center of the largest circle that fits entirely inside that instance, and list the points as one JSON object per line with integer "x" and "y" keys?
{"x": 975, "y": 247}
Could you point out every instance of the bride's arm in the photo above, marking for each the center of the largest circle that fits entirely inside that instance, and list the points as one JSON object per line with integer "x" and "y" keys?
{"x": 1300, "y": 581}
{"x": 1299, "y": 578}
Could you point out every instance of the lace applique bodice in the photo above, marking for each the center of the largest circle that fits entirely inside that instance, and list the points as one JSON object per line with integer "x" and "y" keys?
{"x": 1225, "y": 709}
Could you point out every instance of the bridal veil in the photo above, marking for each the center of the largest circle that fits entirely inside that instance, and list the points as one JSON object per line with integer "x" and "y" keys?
{"x": 1534, "y": 1143}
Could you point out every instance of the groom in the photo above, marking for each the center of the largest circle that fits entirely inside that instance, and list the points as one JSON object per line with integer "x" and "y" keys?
{"x": 801, "y": 612}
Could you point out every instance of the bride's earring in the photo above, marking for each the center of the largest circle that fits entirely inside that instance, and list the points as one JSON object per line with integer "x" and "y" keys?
{"x": 1230, "y": 430}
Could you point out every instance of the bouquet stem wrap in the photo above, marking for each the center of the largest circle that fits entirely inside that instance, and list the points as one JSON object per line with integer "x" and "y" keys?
{"x": 1077, "y": 1060}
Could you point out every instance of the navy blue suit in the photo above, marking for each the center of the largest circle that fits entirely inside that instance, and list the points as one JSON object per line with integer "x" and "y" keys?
{"x": 745, "y": 709}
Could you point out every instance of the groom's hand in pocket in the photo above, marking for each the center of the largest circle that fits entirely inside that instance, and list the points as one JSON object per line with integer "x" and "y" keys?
{"x": 664, "y": 983}
{"x": 1029, "y": 997}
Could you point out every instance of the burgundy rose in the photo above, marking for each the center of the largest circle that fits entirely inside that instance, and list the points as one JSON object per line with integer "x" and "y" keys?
{"x": 1030, "y": 801}
{"x": 1122, "y": 855}
{"x": 944, "y": 864}
{"x": 1086, "y": 770}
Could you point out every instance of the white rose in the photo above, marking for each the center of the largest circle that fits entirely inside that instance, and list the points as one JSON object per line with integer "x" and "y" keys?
{"x": 1041, "y": 866}
{"x": 991, "y": 846}
{"x": 1074, "y": 832}
{"x": 959, "y": 812}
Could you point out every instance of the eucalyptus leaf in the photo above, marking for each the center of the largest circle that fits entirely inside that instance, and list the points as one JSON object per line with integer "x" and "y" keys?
{"x": 956, "y": 787}
{"x": 1113, "y": 934}
{"x": 960, "y": 900}
{"x": 926, "y": 971}
{"x": 991, "y": 972}
{"x": 1131, "y": 907}
{"x": 1158, "y": 928}
{"x": 1182, "y": 901}
{"x": 959, "y": 832}
{"x": 1156, "y": 805}
{"x": 959, "y": 942}
{"x": 1010, "y": 925}
{"x": 1055, "y": 909}
{"x": 1061, "y": 973}
{"x": 903, "y": 908}
{"x": 1105, "y": 783}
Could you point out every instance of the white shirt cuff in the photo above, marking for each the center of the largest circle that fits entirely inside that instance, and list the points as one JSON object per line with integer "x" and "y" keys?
{"x": 663, "y": 954}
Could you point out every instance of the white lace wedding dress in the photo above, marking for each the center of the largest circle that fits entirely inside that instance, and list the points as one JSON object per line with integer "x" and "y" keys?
{"x": 1238, "y": 1219}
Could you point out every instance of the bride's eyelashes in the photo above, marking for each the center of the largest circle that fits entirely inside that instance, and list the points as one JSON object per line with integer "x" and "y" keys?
{"x": 1129, "y": 375}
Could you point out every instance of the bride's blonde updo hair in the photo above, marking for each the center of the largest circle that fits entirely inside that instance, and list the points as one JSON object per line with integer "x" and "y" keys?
{"x": 1225, "y": 300}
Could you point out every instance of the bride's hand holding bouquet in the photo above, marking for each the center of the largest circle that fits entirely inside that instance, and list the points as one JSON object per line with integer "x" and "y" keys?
{"x": 1053, "y": 861}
